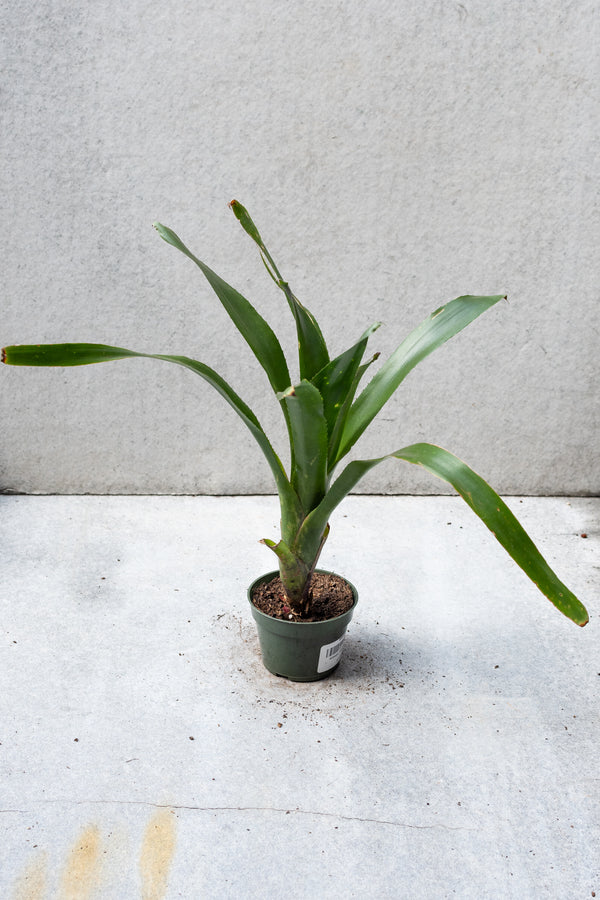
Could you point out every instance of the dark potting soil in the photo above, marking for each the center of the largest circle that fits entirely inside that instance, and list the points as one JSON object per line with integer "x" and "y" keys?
{"x": 331, "y": 596}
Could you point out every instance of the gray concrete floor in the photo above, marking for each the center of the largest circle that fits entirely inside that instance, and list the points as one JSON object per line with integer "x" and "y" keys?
{"x": 146, "y": 753}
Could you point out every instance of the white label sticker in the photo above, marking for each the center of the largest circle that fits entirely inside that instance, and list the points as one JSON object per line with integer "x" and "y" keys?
{"x": 330, "y": 655}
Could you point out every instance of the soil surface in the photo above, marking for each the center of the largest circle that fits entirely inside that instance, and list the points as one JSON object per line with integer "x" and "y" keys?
{"x": 331, "y": 596}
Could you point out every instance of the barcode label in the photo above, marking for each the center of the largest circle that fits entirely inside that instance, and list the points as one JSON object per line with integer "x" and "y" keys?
{"x": 330, "y": 655}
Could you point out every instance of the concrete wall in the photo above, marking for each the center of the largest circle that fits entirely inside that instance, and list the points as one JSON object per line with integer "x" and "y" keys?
{"x": 394, "y": 155}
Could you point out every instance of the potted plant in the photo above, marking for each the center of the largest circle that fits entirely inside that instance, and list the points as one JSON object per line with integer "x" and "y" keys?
{"x": 306, "y": 611}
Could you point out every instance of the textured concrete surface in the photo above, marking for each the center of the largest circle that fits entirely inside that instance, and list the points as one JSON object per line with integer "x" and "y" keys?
{"x": 395, "y": 155}
{"x": 146, "y": 753}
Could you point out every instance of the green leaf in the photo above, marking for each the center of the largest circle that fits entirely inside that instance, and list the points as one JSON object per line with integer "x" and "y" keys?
{"x": 312, "y": 350}
{"x": 86, "y": 354}
{"x": 441, "y": 325}
{"x": 482, "y": 499}
{"x": 309, "y": 441}
{"x": 254, "y": 329}
{"x": 62, "y": 354}
{"x": 336, "y": 435}
{"x": 243, "y": 217}
{"x": 334, "y": 382}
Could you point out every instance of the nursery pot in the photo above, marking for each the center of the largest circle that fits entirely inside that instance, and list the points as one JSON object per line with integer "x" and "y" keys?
{"x": 300, "y": 651}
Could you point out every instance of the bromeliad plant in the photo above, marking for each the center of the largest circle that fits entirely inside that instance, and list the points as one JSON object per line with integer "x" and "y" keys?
{"x": 324, "y": 419}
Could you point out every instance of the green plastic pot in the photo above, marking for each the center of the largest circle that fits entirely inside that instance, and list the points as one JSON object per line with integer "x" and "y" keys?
{"x": 300, "y": 651}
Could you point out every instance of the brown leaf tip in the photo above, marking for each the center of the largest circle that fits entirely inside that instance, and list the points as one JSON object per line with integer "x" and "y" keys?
{"x": 3, "y": 357}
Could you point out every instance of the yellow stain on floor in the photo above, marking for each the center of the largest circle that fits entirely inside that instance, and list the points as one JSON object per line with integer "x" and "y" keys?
{"x": 89, "y": 857}
{"x": 31, "y": 884}
{"x": 158, "y": 849}
{"x": 82, "y": 871}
